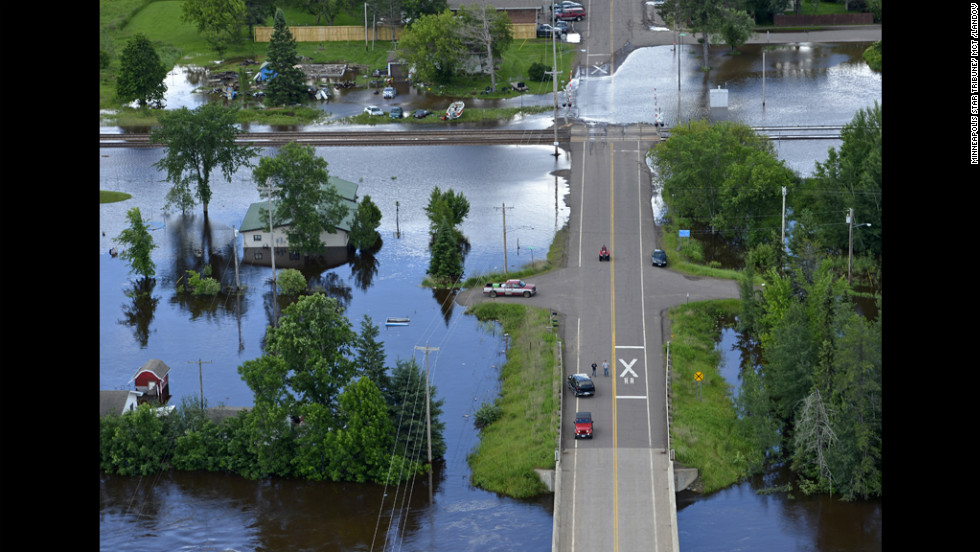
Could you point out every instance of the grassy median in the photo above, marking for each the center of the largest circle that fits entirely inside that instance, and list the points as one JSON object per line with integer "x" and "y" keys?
{"x": 525, "y": 434}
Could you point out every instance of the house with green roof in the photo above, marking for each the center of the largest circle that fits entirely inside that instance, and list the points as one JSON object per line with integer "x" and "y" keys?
{"x": 258, "y": 240}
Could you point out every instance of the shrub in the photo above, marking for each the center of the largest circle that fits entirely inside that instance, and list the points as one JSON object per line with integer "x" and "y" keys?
{"x": 537, "y": 72}
{"x": 486, "y": 415}
{"x": 291, "y": 282}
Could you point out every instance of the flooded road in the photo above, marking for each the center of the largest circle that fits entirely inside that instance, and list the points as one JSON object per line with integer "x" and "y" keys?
{"x": 193, "y": 511}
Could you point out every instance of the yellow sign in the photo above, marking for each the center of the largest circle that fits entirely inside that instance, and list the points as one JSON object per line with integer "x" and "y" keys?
{"x": 698, "y": 376}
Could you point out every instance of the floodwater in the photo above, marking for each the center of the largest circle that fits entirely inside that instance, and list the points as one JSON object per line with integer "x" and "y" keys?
{"x": 213, "y": 511}
{"x": 204, "y": 340}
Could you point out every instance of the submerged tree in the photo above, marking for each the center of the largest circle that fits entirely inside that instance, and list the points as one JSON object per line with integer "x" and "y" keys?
{"x": 198, "y": 143}
{"x": 139, "y": 244}
{"x": 364, "y": 229}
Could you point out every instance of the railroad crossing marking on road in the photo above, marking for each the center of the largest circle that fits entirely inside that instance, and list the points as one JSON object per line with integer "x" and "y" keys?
{"x": 629, "y": 369}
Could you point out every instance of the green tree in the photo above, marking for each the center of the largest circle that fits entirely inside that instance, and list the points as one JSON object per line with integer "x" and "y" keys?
{"x": 304, "y": 199}
{"x": 736, "y": 26}
{"x": 327, "y": 9}
{"x": 314, "y": 340}
{"x": 138, "y": 245}
{"x": 370, "y": 357}
{"x": 432, "y": 46}
{"x": 791, "y": 361}
{"x": 408, "y": 412}
{"x": 414, "y": 9}
{"x": 291, "y": 282}
{"x": 360, "y": 448}
{"x": 287, "y": 87}
{"x": 857, "y": 456}
{"x": 134, "y": 443}
{"x": 446, "y": 261}
{"x": 141, "y": 73}
{"x": 850, "y": 178}
{"x": 448, "y": 205}
{"x": 364, "y": 228}
{"x": 220, "y": 21}
{"x": 197, "y": 143}
{"x": 725, "y": 176}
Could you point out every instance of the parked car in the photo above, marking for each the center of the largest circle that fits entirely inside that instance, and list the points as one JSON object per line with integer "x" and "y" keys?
{"x": 581, "y": 385}
{"x": 658, "y": 257}
{"x": 576, "y": 14}
{"x": 389, "y": 92}
{"x": 421, "y": 113}
{"x": 396, "y": 113}
{"x": 583, "y": 425}
{"x": 563, "y": 26}
{"x": 373, "y": 110}
{"x": 545, "y": 30}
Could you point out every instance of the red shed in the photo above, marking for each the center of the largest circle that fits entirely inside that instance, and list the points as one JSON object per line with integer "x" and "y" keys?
{"x": 152, "y": 378}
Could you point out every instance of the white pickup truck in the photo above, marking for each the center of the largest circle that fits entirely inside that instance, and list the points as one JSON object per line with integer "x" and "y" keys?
{"x": 510, "y": 287}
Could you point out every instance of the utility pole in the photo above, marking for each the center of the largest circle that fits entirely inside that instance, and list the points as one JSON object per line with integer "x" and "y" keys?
{"x": 272, "y": 247}
{"x": 782, "y": 239}
{"x": 850, "y": 242}
{"x": 428, "y": 421}
{"x": 200, "y": 376}
{"x": 503, "y": 209}
{"x": 554, "y": 82}
{"x": 398, "y": 233}
{"x": 238, "y": 284}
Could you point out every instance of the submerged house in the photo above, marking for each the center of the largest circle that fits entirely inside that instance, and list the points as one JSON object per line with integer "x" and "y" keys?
{"x": 258, "y": 240}
{"x": 153, "y": 381}
{"x": 115, "y": 402}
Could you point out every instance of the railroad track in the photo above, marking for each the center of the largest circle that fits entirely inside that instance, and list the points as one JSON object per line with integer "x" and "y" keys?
{"x": 368, "y": 138}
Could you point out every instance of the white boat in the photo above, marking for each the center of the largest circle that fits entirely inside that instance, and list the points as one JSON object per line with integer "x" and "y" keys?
{"x": 396, "y": 321}
{"x": 454, "y": 111}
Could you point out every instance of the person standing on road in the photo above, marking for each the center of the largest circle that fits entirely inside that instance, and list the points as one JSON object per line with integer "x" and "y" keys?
{"x": 593, "y": 369}
{"x": 605, "y": 368}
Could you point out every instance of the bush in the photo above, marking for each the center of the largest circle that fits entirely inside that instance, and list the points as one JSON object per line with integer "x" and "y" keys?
{"x": 199, "y": 285}
{"x": 486, "y": 415}
{"x": 537, "y": 72}
{"x": 291, "y": 282}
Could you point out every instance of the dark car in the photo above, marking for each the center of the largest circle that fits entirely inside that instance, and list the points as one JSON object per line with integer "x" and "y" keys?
{"x": 396, "y": 113}
{"x": 421, "y": 113}
{"x": 659, "y": 257}
{"x": 545, "y": 30}
{"x": 583, "y": 425}
{"x": 581, "y": 385}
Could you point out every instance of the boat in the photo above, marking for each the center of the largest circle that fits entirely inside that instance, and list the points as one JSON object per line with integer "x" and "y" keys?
{"x": 396, "y": 321}
{"x": 454, "y": 111}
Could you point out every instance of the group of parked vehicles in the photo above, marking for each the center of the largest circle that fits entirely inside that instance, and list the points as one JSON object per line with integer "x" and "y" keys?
{"x": 562, "y": 13}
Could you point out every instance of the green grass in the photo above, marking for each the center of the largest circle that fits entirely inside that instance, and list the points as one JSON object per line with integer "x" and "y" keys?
{"x": 106, "y": 196}
{"x": 525, "y": 435}
{"x": 704, "y": 429}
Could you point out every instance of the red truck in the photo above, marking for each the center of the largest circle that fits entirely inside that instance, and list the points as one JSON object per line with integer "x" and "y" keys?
{"x": 568, "y": 14}
{"x": 510, "y": 287}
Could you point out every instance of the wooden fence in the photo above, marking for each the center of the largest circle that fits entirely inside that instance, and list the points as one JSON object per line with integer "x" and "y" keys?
{"x": 347, "y": 33}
